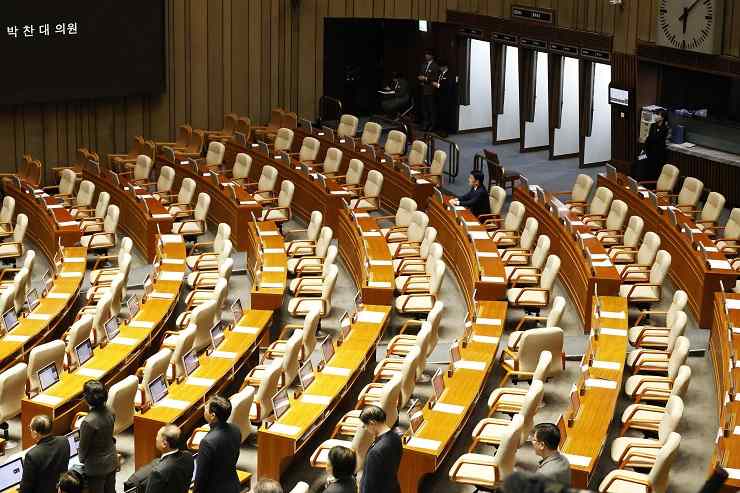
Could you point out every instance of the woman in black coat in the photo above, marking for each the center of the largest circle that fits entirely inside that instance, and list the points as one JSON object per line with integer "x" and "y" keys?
{"x": 655, "y": 146}
{"x": 97, "y": 445}
{"x": 340, "y": 476}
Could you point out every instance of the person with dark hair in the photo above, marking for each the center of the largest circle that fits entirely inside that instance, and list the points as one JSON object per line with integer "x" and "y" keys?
{"x": 173, "y": 472}
{"x": 97, "y": 446}
{"x": 395, "y": 95}
{"x": 70, "y": 482}
{"x": 218, "y": 451}
{"x": 477, "y": 198}
{"x": 268, "y": 486}
{"x": 444, "y": 89}
{"x": 427, "y": 75}
{"x": 380, "y": 472}
{"x": 554, "y": 465}
{"x": 527, "y": 482}
{"x": 340, "y": 472}
{"x": 45, "y": 462}
{"x": 655, "y": 146}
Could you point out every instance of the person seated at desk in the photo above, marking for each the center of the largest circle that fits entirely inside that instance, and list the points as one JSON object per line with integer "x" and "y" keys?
{"x": 268, "y": 486}
{"x": 554, "y": 465}
{"x": 395, "y": 96}
{"x": 477, "y": 198}
{"x": 70, "y": 482}
{"x": 46, "y": 461}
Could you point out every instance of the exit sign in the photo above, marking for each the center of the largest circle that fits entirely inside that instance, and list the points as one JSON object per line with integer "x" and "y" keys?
{"x": 545, "y": 16}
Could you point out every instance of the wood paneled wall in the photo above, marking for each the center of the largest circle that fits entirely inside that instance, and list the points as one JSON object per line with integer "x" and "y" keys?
{"x": 248, "y": 56}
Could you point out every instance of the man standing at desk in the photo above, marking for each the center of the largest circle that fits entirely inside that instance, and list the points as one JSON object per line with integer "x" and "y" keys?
{"x": 173, "y": 472}
{"x": 655, "y": 147}
{"x": 428, "y": 75}
{"x": 554, "y": 465}
{"x": 477, "y": 198}
{"x": 445, "y": 98}
{"x": 46, "y": 461}
{"x": 380, "y": 472}
{"x": 218, "y": 451}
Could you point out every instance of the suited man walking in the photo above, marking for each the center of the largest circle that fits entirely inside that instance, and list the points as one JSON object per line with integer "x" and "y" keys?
{"x": 427, "y": 76}
{"x": 173, "y": 472}
{"x": 218, "y": 451}
{"x": 46, "y": 461}
{"x": 97, "y": 444}
{"x": 380, "y": 472}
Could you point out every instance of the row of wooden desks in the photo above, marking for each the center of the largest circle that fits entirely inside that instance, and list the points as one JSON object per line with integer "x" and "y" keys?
{"x": 427, "y": 449}
{"x": 697, "y": 272}
{"x": 585, "y": 425}
{"x": 120, "y": 357}
{"x": 724, "y": 345}
{"x": 580, "y": 272}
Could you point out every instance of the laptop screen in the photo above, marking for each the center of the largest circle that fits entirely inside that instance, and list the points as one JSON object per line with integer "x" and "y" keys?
{"x": 10, "y": 320}
{"x": 455, "y": 352}
{"x": 84, "y": 351}
{"x": 11, "y": 473}
{"x": 237, "y": 311}
{"x": 190, "y": 361}
{"x": 133, "y": 306}
{"x": 32, "y": 299}
{"x": 327, "y": 349}
{"x": 306, "y": 375}
{"x": 280, "y": 403}
{"x": 438, "y": 383}
{"x": 217, "y": 333}
{"x": 158, "y": 389}
{"x": 112, "y": 328}
{"x": 74, "y": 443}
{"x": 48, "y": 376}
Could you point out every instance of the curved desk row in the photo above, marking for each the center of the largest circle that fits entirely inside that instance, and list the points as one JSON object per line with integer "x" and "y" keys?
{"x": 218, "y": 371}
{"x": 697, "y": 273}
{"x": 120, "y": 357}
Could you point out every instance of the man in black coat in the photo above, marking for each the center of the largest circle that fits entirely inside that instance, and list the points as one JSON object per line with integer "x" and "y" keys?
{"x": 427, "y": 75}
{"x": 477, "y": 198}
{"x": 655, "y": 147}
{"x": 380, "y": 472}
{"x": 444, "y": 87}
{"x": 218, "y": 451}
{"x": 173, "y": 472}
{"x": 46, "y": 461}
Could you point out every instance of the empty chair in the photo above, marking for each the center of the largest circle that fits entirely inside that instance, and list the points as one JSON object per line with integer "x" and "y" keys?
{"x": 66, "y": 186}
{"x": 306, "y": 245}
{"x": 412, "y": 251}
{"x": 266, "y": 185}
{"x": 196, "y": 225}
{"x": 123, "y": 261}
{"x": 164, "y": 184}
{"x": 92, "y": 220}
{"x": 509, "y": 225}
{"x": 520, "y": 365}
{"x": 370, "y": 198}
{"x": 395, "y": 144}
{"x": 525, "y": 240}
{"x": 309, "y": 328}
{"x": 78, "y": 332}
{"x": 310, "y": 282}
{"x": 641, "y": 260}
{"x": 183, "y": 344}
{"x": 385, "y": 395}
{"x": 406, "y": 208}
{"x": 283, "y": 140}
{"x": 651, "y": 291}
{"x": 12, "y": 393}
{"x": 371, "y": 134}
{"x": 656, "y": 337}
{"x": 14, "y": 247}
{"x": 689, "y": 195}
{"x": 141, "y": 169}
{"x": 239, "y": 173}
{"x": 6, "y": 215}
{"x": 101, "y": 313}
{"x": 511, "y": 399}
{"x": 401, "y": 344}
{"x": 608, "y": 229}
{"x": 315, "y": 254}
{"x": 624, "y": 251}
{"x": 419, "y": 281}
{"x": 41, "y": 356}
{"x": 434, "y": 171}
{"x": 290, "y": 360}
{"x": 300, "y": 306}
{"x": 403, "y": 244}
{"x": 709, "y": 214}
{"x": 268, "y": 386}
{"x": 121, "y": 402}
{"x": 354, "y": 175}
{"x": 423, "y": 302}
{"x": 657, "y": 362}
{"x": 154, "y": 367}
{"x": 407, "y": 367}
{"x": 332, "y": 161}
{"x": 106, "y": 238}
{"x": 534, "y": 298}
{"x": 215, "y": 155}
{"x": 551, "y": 320}
{"x": 206, "y": 260}
{"x": 485, "y": 471}
{"x": 657, "y": 387}
{"x": 207, "y": 279}
{"x": 526, "y": 273}
{"x": 727, "y": 242}
{"x": 656, "y": 480}
{"x": 579, "y": 194}
{"x": 197, "y": 297}
{"x": 490, "y": 430}
{"x": 347, "y": 126}
{"x": 309, "y": 150}
{"x": 203, "y": 320}
{"x": 184, "y": 197}
{"x": 666, "y": 182}
{"x": 599, "y": 206}
{"x": 281, "y": 211}
{"x": 417, "y": 154}
{"x": 84, "y": 198}
{"x": 656, "y": 359}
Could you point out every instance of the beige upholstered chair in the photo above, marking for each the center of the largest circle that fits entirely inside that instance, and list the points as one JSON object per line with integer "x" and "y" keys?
{"x": 511, "y": 399}
{"x": 39, "y": 357}
{"x": 599, "y": 206}
{"x": 727, "y": 242}
{"x": 84, "y": 198}
{"x": 79, "y": 331}
{"x": 666, "y": 181}
{"x": 434, "y": 171}
{"x": 652, "y": 336}
{"x": 653, "y": 362}
{"x": 423, "y": 301}
{"x": 266, "y": 185}
{"x": 689, "y": 195}
{"x": 183, "y": 344}
{"x": 417, "y": 154}
{"x": 14, "y": 247}
{"x": 370, "y": 198}
{"x": 107, "y": 237}
{"x": 283, "y": 140}
{"x": 656, "y": 480}
{"x": 240, "y": 171}
{"x": 613, "y": 225}
{"x": 347, "y": 126}
{"x": 651, "y": 291}
{"x": 410, "y": 281}
{"x": 520, "y": 365}
{"x": 309, "y": 327}
{"x": 534, "y": 298}
{"x": 647, "y": 357}
{"x": 290, "y": 361}
{"x": 309, "y": 150}
{"x": 12, "y": 393}
{"x": 371, "y": 134}
{"x": 387, "y": 398}
{"x": 332, "y": 161}
{"x": 206, "y": 260}
{"x": 522, "y": 242}
{"x": 215, "y": 154}
{"x": 640, "y": 260}
{"x": 184, "y": 197}
{"x": 353, "y": 176}
{"x": 414, "y": 250}
{"x": 120, "y": 263}
{"x": 300, "y": 306}
{"x": 196, "y": 225}
{"x": 311, "y": 283}
{"x": 241, "y": 403}
{"x": 219, "y": 293}
{"x": 280, "y": 212}
{"x": 626, "y": 244}
{"x": 509, "y": 225}
{"x": 659, "y": 388}
{"x": 312, "y": 260}
{"x": 268, "y": 386}
{"x": 405, "y": 243}
{"x": 101, "y": 313}
{"x": 401, "y": 344}
{"x": 164, "y": 184}
{"x": 579, "y": 194}
{"x": 406, "y": 208}
{"x": 66, "y": 186}
{"x": 709, "y": 214}
{"x": 496, "y": 199}
{"x": 154, "y": 367}
{"x": 121, "y": 402}
{"x": 92, "y": 219}
{"x": 395, "y": 144}
{"x": 207, "y": 279}
{"x": 7, "y": 213}
{"x": 141, "y": 169}
{"x": 522, "y": 267}
{"x": 204, "y": 321}
{"x": 407, "y": 367}
{"x": 551, "y": 320}
{"x": 491, "y": 430}
{"x": 305, "y": 245}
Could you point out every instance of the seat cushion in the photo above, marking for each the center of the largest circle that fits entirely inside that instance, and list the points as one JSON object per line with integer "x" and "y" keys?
{"x": 362, "y": 204}
{"x": 294, "y": 262}
{"x": 308, "y": 284}
{"x": 508, "y": 399}
{"x": 623, "y": 486}
{"x": 519, "y": 274}
{"x": 106, "y": 240}
{"x": 91, "y": 227}
{"x": 477, "y": 469}
{"x": 188, "y": 228}
{"x": 293, "y": 247}
{"x": 305, "y": 306}
{"x": 639, "y": 292}
{"x": 620, "y": 444}
{"x": 8, "y": 250}
{"x": 208, "y": 262}
{"x": 491, "y": 430}
{"x": 280, "y": 215}
{"x": 652, "y": 340}
{"x": 414, "y": 304}
{"x": 651, "y": 414}
{"x": 535, "y": 298}
{"x": 205, "y": 279}
{"x": 657, "y": 362}
{"x": 633, "y": 383}
{"x": 417, "y": 284}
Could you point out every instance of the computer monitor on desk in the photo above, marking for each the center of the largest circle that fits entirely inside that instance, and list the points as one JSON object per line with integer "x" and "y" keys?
{"x": 84, "y": 351}
{"x": 190, "y": 362}
{"x": 74, "y": 447}
{"x": 112, "y": 328}
{"x": 11, "y": 474}
{"x": 158, "y": 389}
{"x": 280, "y": 403}
{"x": 32, "y": 299}
{"x": 48, "y": 376}
{"x": 10, "y": 320}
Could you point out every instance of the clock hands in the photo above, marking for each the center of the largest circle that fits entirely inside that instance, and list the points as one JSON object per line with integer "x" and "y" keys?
{"x": 686, "y": 11}
{"x": 685, "y": 18}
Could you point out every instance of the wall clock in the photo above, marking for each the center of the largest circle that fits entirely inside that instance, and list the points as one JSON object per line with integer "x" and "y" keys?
{"x": 692, "y": 25}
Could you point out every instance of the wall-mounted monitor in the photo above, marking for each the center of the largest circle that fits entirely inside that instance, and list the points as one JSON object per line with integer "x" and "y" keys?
{"x": 619, "y": 96}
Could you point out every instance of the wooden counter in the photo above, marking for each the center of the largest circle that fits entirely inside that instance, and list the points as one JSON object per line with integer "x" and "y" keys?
{"x": 689, "y": 268}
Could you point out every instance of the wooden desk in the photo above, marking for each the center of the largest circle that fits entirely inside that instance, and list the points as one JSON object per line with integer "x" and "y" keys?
{"x": 724, "y": 340}
{"x": 121, "y": 357}
{"x": 577, "y": 273}
{"x": 427, "y": 449}
{"x": 217, "y": 372}
{"x": 135, "y": 220}
{"x": 48, "y": 318}
{"x": 268, "y": 265}
{"x": 231, "y": 207}
{"x": 584, "y": 441}
{"x": 278, "y": 444}
{"x": 689, "y": 269}
{"x": 49, "y": 225}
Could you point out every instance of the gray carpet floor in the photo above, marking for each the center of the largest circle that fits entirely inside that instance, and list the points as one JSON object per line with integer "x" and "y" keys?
{"x": 699, "y": 423}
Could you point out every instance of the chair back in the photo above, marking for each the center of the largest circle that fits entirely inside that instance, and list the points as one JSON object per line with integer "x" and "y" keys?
{"x": 681, "y": 379}
{"x": 418, "y": 153}
{"x": 541, "y": 251}
{"x": 373, "y": 184}
{"x": 601, "y": 202}
{"x": 515, "y": 216}
{"x": 283, "y": 140}
{"x": 543, "y": 366}
{"x": 505, "y": 457}
{"x": 354, "y": 172}
{"x": 347, "y": 126}
{"x": 268, "y": 179}
{"x": 166, "y": 179}
{"x": 39, "y": 357}
{"x": 690, "y": 192}
{"x": 389, "y": 400}
{"x": 534, "y": 341}
{"x": 85, "y": 194}
{"x": 183, "y": 344}
{"x": 285, "y": 197}
{"x": 215, "y": 154}
{"x": 101, "y": 207}
{"x": 332, "y": 161}
{"x": 417, "y": 227}
{"x": 667, "y": 179}
{"x": 529, "y": 233}
{"x": 223, "y": 233}
{"x": 582, "y": 188}
{"x": 371, "y": 133}
{"x": 496, "y": 197}
{"x": 121, "y": 403}
{"x": 633, "y": 233}
{"x": 676, "y": 328}
{"x": 21, "y": 283}
{"x": 8, "y": 210}
{"x": 617, "y": 215}
{"x": 680, "y": 298}
{"x": 323, "y": 242}
{"x": 67, "y": 182}
{"x": 550, "y": 272}
{"x": 21, "y": 224}
{"x": 436, "y": 167}
{"x": 314, "y": 225}
{"x": 244, "y": 125}
{"x": 12, "y": 390}
{"x": 202, "y": 317}
{"x": 361, "y": 442}
{"x": 143, "y": 167}
{"x": 430, "y": 237}
{"x": 267, "y": 388}
{"x": 395, "y": 144}
{"x": 658, "y": 475}
{"x": 671, "y": 417}
{"x": 241, "y": 402}
{"x": 532, "y": 401}
{"x": 409, "y": 373}
{"x": 309, "y": 149}
{"x": 310, "y": 327}
{"x": 110, "y": 223}
{"x": 78, "y": 332}
{"x": 648, "y": 249}
{"x": 187, "y": 191}
{"x": 328, "y": 288}
{"x": 659, "y": 270}
{"x": 406, "y": 208}
{"x": 116, "y": 291}
{"x": 712, "y": 207}
{"x": 154, "y": 366}
{"x": 556, "y": 312}
{"x": 291, "y": 358}
{"x": 680, "y": 353}
{"x": 242, "y": 165}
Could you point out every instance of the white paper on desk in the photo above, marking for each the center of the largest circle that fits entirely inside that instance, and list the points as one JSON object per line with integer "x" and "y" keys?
{"x": 207, "y": 174}
{"x": 223, "y": 354}
{"x": 322, "y": 400}
{"x": 472, "y": 223}
{"x": 141, "y": 324}
{"x": 379, "y": 284}
{"x": 15, "y": 338}
{"x": 273, "y": 269}
{"x": 371, "y": 233}
{"x": 269, "y": 233}
{"x": 459, "y": 208}
{"x": 51, "y": 400}
{"x": 171, "y": 238}
{"x": 68, "y": 223}
{"x": 273, "y": 250}
{"x": 732, "y": 472}
{"x": 495, "y": 279}
{"x": 371, "y": 317}
{"x": 284, "y": 429}
{"x": 380, "y": 263}
{"x": 39, "y": 316}
{"x": 245, "y": 329}
{"x": 602, "y": 263}
{"x": 124, "y": 341}
{"x": 362, "y": 214}
{"x": 719, "y": 264}
{"x": 200, "y": 382}
{"x": 484, "y": 339}
{"x": 488, "y": 321}
{"x": 173, "y": 403}
{"x": 736, "y": 330}
{"x": 577, "y": 223}
{"x": 247, "y": 202}
{"x": 55, "y": 206}
{"x": 90, "y": 372}
{"x": 470, "y": 365}
{"x": 336, "y": 371}
{"x": 170, "y": 276}
{"x": 422, "y": 181}
{"x": 600, "y": 383}
{"x": 423, "y": 443}
{"x": 737, "y": 364}
{"x": 271, "y": 285}
{"x": 578, "y": 460}
{"x": 339, "y": 192}
{"x": 58, "y": 296}
{"x": 608, "y": 331}
{"x": 161, "y": 216}
{"x": 70, "y": 274}
{"x": 605, "y": 365}
{"x": 161, "y": 296}
{"x": 487, "y": 254}
{"x": 73, "y": 260}
{"x": 448, "y": 408}
{"x": 145, "y": 196}
{"x": 620, "y": 315}
{"x": 733, "y": 304}
{"x": 173, "y": 261}
{"x": 711, "y": 249}
{"x": 587, "y": 236}
{"x": 599, "y": 256}
{"x": 479, "y": 235}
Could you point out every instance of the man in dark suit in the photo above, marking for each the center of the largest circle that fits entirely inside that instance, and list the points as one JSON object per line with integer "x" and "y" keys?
{"x": 173, "y": 473}
{"x": 218, "y": 451}
{"x": 427, "y": 75}
{"x": 477, "y": 198}
{"x": 444, "y": 87}
{"x": 46, "y": 461}
{"x": 380, "y": 472}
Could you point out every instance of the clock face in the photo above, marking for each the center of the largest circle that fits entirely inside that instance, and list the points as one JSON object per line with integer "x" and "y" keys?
{"x": 689, "y": 24}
